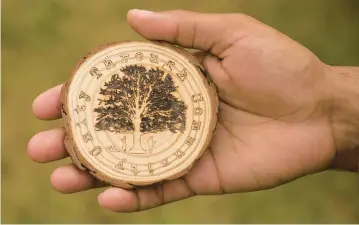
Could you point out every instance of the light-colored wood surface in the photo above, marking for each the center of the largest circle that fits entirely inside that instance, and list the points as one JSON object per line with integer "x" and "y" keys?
{"x": 137, "y": 113}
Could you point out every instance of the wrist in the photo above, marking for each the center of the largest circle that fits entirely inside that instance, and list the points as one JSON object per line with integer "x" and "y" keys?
{"x": 344, "y": 115}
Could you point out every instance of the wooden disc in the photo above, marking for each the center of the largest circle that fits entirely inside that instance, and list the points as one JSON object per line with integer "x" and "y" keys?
{"x": 137, "y": 113}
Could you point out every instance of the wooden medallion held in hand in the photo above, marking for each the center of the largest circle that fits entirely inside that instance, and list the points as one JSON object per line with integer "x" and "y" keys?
{"x": 137, "y": 113}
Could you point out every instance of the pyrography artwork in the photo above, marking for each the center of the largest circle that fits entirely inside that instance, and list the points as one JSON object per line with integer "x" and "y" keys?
{"x": 137, "y": 113}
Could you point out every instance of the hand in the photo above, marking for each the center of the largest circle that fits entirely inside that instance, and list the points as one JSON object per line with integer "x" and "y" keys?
{"x": 274, "y": 123}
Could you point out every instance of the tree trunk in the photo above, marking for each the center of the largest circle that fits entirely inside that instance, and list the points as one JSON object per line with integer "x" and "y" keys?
{"x": 137, "y": 148}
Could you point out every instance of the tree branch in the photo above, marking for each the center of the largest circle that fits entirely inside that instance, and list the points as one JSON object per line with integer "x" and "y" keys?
{"x": 159, "y": 112}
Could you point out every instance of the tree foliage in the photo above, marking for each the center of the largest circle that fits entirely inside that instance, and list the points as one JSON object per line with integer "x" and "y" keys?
{"x": 140, "y": 95}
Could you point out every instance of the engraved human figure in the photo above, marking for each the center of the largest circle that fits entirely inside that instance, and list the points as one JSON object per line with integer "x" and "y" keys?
{"x": 151, "y": 144}
{"x": 124, "y": 144}
{"x": 141, "y": 101}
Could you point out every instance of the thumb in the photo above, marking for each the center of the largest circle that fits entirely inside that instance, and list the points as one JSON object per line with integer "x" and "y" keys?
{"x": 213, "y": 33}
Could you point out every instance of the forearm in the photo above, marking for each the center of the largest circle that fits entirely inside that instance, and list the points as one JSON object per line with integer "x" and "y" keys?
{"x": 345, "y": 116}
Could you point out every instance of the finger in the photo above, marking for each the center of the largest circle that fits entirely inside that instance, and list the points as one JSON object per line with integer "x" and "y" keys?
{"x": 214, "y": 68}
{"x": 47, "y": 146}
{"x": 208, "y": 32}
{"x": 202, "y": 179}
{"x": 47, "y": 106}
{"x": 69, "y": 179}
{"x": 200, "y": 55}
{"x": 121, "y": 200}
{"x": 211, "y": 63}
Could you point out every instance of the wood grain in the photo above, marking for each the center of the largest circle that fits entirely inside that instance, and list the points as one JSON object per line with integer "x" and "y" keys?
{"x": 137, "y": 113}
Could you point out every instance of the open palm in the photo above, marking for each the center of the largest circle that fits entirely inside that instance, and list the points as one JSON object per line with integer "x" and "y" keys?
{"x": 273, "y": 123}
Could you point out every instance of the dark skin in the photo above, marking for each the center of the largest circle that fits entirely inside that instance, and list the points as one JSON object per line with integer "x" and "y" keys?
{"x": 279, "y": 116}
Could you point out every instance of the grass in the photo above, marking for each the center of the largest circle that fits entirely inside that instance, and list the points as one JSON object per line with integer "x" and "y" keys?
{"x": 43, "y": 39}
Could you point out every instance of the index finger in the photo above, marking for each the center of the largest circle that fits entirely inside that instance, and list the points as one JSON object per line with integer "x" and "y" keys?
{"x": 208, "y": 32}
{"x": 47, "y": 106}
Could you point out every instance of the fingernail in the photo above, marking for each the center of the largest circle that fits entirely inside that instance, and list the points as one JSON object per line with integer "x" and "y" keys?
{"x": 140, "y": 11}
{"x": 100, "y": 195}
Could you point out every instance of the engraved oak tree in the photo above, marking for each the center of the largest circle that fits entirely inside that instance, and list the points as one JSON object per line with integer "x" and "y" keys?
{"x": 138, "y": 102}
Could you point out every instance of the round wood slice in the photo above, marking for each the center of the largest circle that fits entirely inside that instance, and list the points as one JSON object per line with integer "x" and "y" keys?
{"x": 138, "y": 113}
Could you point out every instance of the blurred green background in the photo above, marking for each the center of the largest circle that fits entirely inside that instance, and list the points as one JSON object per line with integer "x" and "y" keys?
{"x": 43, "y": 39}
